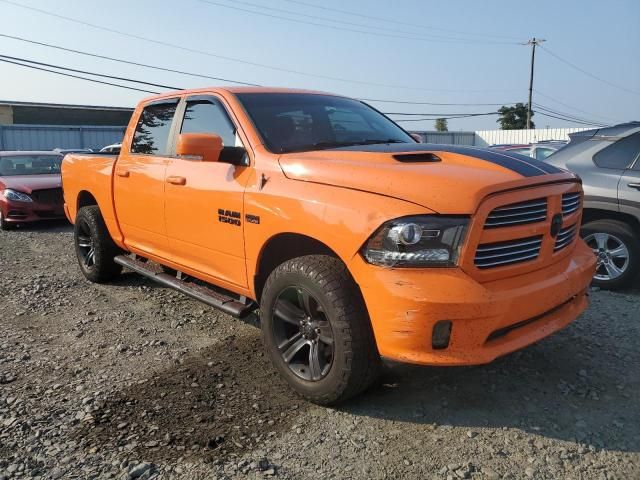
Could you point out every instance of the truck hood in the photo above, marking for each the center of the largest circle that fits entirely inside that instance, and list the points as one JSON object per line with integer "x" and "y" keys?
{"x": 29, "y": 183}
{"x": 443, "y": 178}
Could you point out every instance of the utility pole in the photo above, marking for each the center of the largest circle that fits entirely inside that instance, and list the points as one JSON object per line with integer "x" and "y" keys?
{"x": 533, "y": 42}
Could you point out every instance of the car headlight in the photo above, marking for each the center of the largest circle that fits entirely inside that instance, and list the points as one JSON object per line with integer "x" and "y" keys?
{"x": 16, "y": 196}
{"x": 420, "y": 241}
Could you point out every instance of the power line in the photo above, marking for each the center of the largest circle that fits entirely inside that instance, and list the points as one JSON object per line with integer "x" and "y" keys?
{"x": 112, "y": 77}
{"x": 432, "y": 114}
{"x": 575, "y": 67}
{"x": 438, "y": 104}
{"x": 128, "y": 62}
{"x": 376, "y": 32}
{"x": 567, "y": 120}
{"x": 567, "y": 115}
{"x": 446, "y": 118}
{"x": 76, "y": 76}
{"x": 570, "y": 106}
{"x": 397, "y": 22}
{"x": 223, "y": 57}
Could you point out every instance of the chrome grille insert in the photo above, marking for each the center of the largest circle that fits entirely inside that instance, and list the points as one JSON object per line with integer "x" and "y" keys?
{"x": 531, "y": 211}
{"x": 571, "y": 202}
{"x": 565, "y": 237}
{"x": 490, "y": 255}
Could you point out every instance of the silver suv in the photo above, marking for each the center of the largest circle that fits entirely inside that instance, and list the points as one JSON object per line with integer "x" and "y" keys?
{"x": 608, "y": 160}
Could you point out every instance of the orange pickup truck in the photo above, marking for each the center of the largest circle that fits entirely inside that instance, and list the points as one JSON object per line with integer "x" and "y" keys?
{"x": 348, "y": 240}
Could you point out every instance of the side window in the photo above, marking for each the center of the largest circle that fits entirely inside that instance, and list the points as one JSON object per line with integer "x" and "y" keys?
{"x": 542, "y": 153}
{"x": 152, "y": 133}
{"x": 619, "y": 155}
{"x": 208, "y": 116}
{"x": 522, "y": 151}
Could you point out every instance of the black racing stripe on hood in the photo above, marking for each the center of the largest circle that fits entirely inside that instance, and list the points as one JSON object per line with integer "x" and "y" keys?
{"x": 525, "y": 166}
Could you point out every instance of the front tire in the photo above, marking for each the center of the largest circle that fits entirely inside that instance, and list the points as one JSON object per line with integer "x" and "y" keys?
{"x": 95, "y": 249}
{"x": 316, "y": 329}
{"x": 616, "y": 246}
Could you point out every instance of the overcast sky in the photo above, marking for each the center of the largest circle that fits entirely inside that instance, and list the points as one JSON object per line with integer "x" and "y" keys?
{"x": 450, "y": 51}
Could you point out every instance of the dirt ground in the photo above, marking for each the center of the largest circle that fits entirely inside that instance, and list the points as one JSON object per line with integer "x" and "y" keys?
{"x": 131, "y": 380}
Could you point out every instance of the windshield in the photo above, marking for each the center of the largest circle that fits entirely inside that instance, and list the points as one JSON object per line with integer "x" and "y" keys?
{"x": 291, "y": 122}
{"x": 29, "y": 165}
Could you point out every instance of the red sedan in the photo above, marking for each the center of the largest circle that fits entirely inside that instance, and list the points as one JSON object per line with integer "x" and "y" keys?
{"x": 30, "y": 187}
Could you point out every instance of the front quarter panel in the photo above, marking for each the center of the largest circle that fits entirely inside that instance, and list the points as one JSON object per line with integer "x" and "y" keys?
{"x": 342, "y": 219}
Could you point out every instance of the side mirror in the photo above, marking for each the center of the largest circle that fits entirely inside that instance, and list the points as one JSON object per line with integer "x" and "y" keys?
{"x": 417, "y": 137}
{"x": 201, "y": 146}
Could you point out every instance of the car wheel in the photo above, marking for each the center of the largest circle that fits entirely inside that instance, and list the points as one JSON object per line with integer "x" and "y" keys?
{"x": 94, "y": 247}
{"x": 4, "y": 225}
{"x": 316, "y": 329}
{"x": 616, "y": 246}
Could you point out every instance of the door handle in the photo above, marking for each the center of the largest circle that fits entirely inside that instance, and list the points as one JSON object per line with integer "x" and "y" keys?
{"x": 123, "y": 173}
{"x": 173, "y": 180}
{"x": 634, "y": 185}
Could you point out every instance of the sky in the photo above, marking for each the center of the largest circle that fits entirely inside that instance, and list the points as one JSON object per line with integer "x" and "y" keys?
{"x": 455, "y": 51}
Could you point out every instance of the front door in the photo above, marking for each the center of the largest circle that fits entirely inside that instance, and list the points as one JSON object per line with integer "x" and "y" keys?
{"x": 204, "y": 208}
{"x": 139, "y": 180}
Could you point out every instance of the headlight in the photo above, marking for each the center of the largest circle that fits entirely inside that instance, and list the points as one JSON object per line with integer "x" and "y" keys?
{"x": 421, "y": 241}
{"x": 16, "y": 196}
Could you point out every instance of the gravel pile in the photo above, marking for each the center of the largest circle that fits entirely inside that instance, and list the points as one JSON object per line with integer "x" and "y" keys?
{"x": 134, "y": 381}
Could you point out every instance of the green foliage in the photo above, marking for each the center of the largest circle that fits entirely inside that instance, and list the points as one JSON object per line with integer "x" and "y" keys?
{"x": 441, "y": 125}
{"x": 514, "y": 118}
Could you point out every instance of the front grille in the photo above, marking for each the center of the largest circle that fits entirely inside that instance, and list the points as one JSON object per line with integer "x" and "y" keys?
{"x": 571, "y": 202}
{"x": 50, "y": 196}
{"x": 490, "y": 255}
{"x": 565, "y": 237}
{"x": 531, "y": 211}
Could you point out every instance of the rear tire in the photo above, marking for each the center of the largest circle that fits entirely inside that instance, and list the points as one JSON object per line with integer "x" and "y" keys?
{"x": 95, "y": 249}
{"x": 616, "y": 246}
{"x": 311, "y": 308}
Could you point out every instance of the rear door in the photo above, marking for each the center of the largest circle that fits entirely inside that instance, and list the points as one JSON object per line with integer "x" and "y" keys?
{"x": 139, "y": 179}
{"x": 204, "y": 201}
{"x": 629, "y": 186}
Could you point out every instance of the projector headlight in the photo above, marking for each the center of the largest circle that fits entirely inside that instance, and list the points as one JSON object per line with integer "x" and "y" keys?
{"x": 16, "y": 196}
{"x": 420, "y": 241}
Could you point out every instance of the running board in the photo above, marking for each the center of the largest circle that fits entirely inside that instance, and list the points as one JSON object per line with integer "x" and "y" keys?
{"x": 227, "y": 304}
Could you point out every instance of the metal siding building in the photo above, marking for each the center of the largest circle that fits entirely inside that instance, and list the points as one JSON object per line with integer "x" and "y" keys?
{"x": 48, "y": 137}
{"x": 45, "y": 126}
{"x": 448, "y": 138}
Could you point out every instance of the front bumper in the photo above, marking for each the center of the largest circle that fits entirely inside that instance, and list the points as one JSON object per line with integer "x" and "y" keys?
{"x": 24, "y": 212}
{"x": 488, "y": 319}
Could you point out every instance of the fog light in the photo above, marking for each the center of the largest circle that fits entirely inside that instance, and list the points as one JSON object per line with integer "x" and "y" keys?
{"x": 441, "y": 334}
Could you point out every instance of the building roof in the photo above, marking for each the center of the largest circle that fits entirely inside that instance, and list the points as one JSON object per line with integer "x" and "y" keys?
{"x": 12, "y": 103}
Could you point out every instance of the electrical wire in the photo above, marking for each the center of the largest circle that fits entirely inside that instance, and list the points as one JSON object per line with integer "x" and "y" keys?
{"x": 128, "y": 62}
{"x": 376, "y": 32}
{"x": 403, "y": 102}
{"x": 575, "y": 67}
{"x": 566, "y": 115}
{"x": 76, "y": 76}
{"x": 571, "y": 107}
{"x": 112, "y": 77}
{"x": 231, "y": 59}
{"x": 390, "y": 20}
{"x": 567, "y": 120}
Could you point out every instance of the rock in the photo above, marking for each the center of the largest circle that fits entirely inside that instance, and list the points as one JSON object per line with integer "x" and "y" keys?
{"x": 138, "y": 470}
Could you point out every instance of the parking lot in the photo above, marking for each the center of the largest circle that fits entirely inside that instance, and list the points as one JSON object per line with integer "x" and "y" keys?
{"x": 131, "y": 380}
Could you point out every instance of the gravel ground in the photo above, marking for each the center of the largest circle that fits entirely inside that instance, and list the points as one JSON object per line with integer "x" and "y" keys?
{"x": 131, "y": 380}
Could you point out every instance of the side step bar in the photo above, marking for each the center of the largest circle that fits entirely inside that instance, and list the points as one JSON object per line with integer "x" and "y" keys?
{"x": 227, "y": 304}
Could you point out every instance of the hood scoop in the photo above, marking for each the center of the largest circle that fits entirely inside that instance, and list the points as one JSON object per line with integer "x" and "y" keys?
{"x": 420, "y": 157}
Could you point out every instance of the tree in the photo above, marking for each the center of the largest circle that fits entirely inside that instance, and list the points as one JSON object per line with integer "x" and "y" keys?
{"x": 514, "y": 118}
{"x": 441, "y": 125}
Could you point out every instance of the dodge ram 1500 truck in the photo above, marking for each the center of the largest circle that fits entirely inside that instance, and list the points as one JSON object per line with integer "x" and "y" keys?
{"x": 352, "y": 242}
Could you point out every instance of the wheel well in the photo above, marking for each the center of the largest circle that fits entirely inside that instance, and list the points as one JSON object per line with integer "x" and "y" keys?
{"x": 85, "y": 199}
{"x": 591, "y": 214}
{"x": 281, "y": 248}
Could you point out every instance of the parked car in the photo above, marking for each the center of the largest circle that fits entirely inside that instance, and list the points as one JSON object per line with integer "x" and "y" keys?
{"x": 352, "y": 240}
{"x": 607, "y": 160}
{"x": 30, "y": 187}
{"x": 64, "y": 151}
{"x": 113, "y": 149}
{"x": 539, "y": 150}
